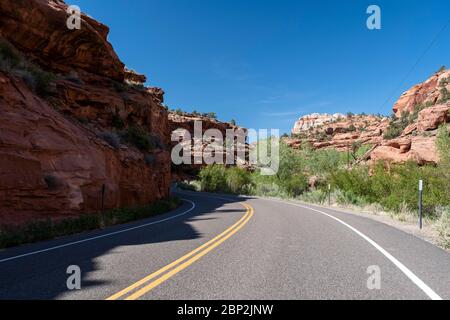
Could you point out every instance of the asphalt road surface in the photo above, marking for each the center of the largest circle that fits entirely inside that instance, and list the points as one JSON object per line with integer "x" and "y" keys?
{"x": 224, "y": 247}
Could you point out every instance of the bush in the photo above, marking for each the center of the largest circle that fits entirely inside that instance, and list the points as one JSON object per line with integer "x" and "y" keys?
{"x": 238, "y": 180}
{"x": 9, "y": 57}
{"x": 139, "y": 138}
{"x": 314, "y": 196}
{"x": 187, "y": 186}
{"x": 213, "y": 178}
{"x": 397, "y": 126}
{"x": 111, "y": 138}
{"x": 296, "y": 185}
{"x": 443, "y": 227}
{"x": 48, "y": 229}
{"x": 117, "y": 121}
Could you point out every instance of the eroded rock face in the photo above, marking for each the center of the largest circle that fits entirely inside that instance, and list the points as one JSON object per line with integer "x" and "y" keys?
{"x": 53, "y": 163}
{"x": 199, "y": 146}
{"x": 38, "y": 28}
{"x": 430, "y": 102}
{"x": 428, "y": 91}
{"x": 315, "y": 120}
{"x": 431, "y": 118}
{"x": 338, "y": 131}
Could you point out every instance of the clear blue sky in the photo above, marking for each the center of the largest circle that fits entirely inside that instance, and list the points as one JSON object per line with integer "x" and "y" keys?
{"x": 265, "y": 63}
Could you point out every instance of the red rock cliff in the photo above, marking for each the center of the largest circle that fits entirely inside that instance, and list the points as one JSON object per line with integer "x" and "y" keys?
{"x": 57, "y": 151}
{"x": 423, "y": 108}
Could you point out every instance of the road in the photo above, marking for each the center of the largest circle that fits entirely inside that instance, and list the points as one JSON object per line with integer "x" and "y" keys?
{"x": 225, "y": 247}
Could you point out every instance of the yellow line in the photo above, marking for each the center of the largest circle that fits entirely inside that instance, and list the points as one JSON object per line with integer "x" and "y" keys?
{"x": 176, "y": 262}
{"x": 186, "y": 264}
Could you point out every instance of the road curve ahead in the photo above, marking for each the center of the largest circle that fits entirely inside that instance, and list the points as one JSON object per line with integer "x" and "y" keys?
{"x": 225, "y": 247}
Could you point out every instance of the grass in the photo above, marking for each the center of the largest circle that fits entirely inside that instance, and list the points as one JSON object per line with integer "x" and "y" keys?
{"x": 47, "y": 229}
{"x": 12, "y": 62}
{"x": 138, "y": 137}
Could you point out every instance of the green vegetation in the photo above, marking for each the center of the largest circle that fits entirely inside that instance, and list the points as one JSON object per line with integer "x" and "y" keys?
{"x": 48, "y": 229}
{"x": 138, "y": 137}
{"x": 306, "y": 173}
{"x": 396, "y": 126}
{"x": 13, "y": 63}
{"x": 117, "y": 121}
{"x": 111, "y": 138}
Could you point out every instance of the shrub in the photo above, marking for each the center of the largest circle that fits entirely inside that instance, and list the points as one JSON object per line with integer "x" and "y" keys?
{"x": 111, "y": 138}
{"x": 138, "y": 137}
{"x": 117, "y": 121}
{"x": 443, "y": 227}
{"x": 445, "y": 95}
{"x": 48, "y": 229}
{"x": 9, "y": 56}
{"x": 238, "y": 180}
{"x": 314, "y": 196}
{"x": 296, "y": 185}
{"x": 187, "y": 186}
{"x": 396, "y": 126}
{"x": 213, "y": 178}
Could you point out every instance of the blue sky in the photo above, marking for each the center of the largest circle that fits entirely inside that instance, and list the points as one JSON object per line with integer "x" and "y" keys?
{"x": 265, "y": 63}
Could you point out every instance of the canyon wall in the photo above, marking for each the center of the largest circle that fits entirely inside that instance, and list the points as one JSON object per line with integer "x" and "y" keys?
{"x": 58, "y": 150}
{"x": 198, "y": 145}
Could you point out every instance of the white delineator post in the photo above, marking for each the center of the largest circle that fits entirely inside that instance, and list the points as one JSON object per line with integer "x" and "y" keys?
{"x": 420, "y": 204}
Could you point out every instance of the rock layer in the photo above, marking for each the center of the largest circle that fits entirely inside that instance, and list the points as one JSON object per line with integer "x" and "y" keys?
{"x": 429, "y": 101}
{"x": 53, "y": 163}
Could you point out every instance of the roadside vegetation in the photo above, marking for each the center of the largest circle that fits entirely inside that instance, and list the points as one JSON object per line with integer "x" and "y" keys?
{"x": 306, "y": 175}
{"x": 48, "y": 229}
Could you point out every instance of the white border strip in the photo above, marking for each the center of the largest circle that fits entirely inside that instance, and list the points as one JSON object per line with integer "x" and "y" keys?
{"x": 102, "y": 236}
{"x": 415, "y": 279}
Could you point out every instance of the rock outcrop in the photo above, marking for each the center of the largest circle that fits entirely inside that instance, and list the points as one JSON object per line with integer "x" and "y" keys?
{"x": 431, "y": 91}
{"x": 426, "y": 107}
{"x": 58, "y": 152}
{"x": 338, "y": 131}
{"x": 181, "y": 123}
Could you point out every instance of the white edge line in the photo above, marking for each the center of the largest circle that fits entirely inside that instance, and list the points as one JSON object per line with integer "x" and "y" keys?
{"x": 415, "y": 279}
{"x": 101, "y": 236}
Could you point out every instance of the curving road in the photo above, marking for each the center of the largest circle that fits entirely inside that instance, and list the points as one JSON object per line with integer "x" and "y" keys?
{"x": 225, "y": 247}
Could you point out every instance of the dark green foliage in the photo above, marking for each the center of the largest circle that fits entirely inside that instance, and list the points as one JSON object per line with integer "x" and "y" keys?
{"x": 117, "y": 121}
{"x": 47, "y": 229}
{"x": 138, "y": 137}
{"x": 9, "y": 56}
{"x": 36, "y": 79}
{"x": 445, "y": 95}
{"x": 396, "y": 126}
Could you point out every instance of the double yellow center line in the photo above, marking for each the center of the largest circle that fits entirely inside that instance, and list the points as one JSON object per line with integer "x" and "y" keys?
{"x": 143, "y": 286}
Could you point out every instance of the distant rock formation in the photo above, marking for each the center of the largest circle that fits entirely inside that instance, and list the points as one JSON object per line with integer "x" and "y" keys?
{"x": 425, "y": 106}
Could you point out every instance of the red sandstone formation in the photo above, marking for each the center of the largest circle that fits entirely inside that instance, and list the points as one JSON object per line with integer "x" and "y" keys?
{"x": 53, "y": 161}
{"x": 430, "y": 101}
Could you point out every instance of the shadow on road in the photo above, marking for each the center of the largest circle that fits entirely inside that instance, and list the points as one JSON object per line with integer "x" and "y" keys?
{"x": 43, "y": 276}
